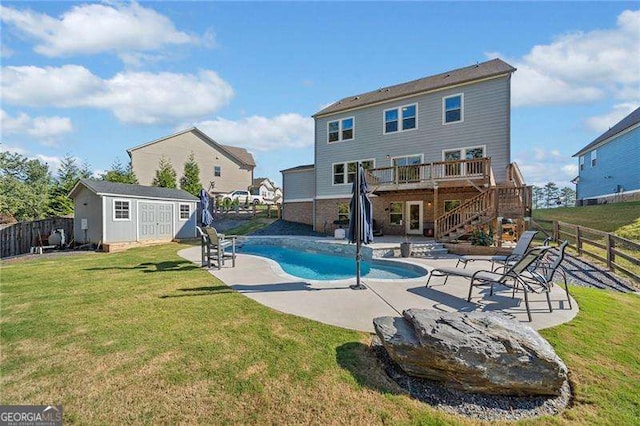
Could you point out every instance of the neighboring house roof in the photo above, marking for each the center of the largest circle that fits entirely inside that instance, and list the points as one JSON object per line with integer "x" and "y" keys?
{"x": 240, "y": 154}
{"x": 297, "y": 168}
{"x": 258, "y": 181}
{"x": 622, "y": 125}
{"x": 492, "y": 68}
{"x": 101, "y": 187}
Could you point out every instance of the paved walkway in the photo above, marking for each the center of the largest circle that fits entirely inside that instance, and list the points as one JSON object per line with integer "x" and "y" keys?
{"x": 333, "y": 302}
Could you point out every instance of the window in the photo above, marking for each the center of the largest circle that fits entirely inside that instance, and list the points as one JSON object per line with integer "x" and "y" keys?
{"x": 340, "y": 130}
{"x": 185, "y": 211}
{"x": 581, "y": 160}
{"x": 121, "y": 210}
{"x": 400, "y": 119}
{"x": 343, "y": 212}
{"x": 452, "y": 109}
{"x": 346, "y": 172}
{"x": 217, "y": 171}
{"x": 471, "y": 153}
{"x": 594, "y": 158}
{"x": 408, "y": 168}
{"x": 450, "y": 205}
{"x": 395, "y": 213}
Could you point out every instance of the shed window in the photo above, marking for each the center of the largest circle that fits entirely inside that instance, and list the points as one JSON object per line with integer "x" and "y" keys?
{"x": 185, "y": 211}
{"x": 121, "y": 209}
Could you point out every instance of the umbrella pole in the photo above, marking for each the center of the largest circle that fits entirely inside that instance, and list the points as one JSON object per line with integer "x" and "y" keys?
{"x": 358, "y": 231}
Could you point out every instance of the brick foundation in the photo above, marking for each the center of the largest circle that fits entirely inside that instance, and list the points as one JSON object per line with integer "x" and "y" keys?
{"x": 298, "y": 212}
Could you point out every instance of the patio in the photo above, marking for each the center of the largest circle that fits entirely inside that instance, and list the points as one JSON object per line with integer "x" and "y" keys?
{"x": 333, "y": 302}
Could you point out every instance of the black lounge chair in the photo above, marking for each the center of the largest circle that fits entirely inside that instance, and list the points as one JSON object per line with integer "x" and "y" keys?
{"x": 518, "y": 251}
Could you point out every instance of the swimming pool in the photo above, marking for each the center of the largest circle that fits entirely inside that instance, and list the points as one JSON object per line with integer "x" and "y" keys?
{"x": 321, "y": 266}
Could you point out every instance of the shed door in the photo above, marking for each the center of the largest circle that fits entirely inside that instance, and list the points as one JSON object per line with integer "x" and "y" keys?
{"x": 155, "y": 221}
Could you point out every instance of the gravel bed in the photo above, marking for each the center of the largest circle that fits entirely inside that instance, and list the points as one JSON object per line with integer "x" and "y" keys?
{"x": 282, "y": 227}
{"x": 472, "y": 405}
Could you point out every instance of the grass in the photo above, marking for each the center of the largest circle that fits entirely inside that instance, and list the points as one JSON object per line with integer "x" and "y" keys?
{"x": 604, "y": 217}
{"x": 144, "y": 336}
{"x": 250, "y": 226}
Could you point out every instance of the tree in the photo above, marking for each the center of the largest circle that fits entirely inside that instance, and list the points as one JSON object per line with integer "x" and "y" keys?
{"x": 119, "y": 173}
{"x": 69, "y": 173}
{"x": 551, "y": 192}
{"x": 24, "y": 187}
{"x": 190, "y": 181}
{"x": 165, "y": 175}
{"x": 568, "y": 197}
{"x": 538, "y": 196}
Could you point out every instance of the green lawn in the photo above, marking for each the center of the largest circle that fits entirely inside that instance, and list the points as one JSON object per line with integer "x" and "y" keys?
{"x": 605, "y": 217}
{"x": 144, "y": 336}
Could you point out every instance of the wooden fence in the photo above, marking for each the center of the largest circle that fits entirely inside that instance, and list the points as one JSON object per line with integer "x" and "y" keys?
{"x": 251, "y": 211}
{"x": 18, "y": 238}
{"x": 603, "y": 246}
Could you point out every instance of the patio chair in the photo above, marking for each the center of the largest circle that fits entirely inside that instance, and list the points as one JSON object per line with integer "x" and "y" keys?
{"x": 512, "y": 277}
{"x": 518, "y": 251}
{"x": 214, "y": 246}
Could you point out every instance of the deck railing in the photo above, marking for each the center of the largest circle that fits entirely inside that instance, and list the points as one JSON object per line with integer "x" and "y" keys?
{"x": 466, "y": 213}
{"x": 439, "y": 171}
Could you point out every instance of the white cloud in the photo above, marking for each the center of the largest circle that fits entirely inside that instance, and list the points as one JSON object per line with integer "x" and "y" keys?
{"x": 45, "y": 129}
{"x": 539, "y": 166}
{"x": 133, "y": 97}
{"x": 581, "y": 67}
{"x": 262, "y": 133}
{"x": 96, "y": 28}
{"x": 602, "y": 123}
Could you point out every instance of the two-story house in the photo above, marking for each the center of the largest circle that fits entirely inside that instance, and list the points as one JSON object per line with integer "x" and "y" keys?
{"x": 437, "y": 151}
{"x": 268, "y": 190}
{"x": 223, "y": 168}
{"x": 609, "y": 167}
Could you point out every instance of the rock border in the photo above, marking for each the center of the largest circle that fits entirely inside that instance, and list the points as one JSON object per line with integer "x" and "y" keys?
{"x": 472, "y": 405}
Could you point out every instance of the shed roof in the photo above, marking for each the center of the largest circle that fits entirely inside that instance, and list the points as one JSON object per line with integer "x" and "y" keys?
{"x": 101, "y": 187}
{"x": 492, "y": 68}
{"x": 236, "y": 152}
{"x": 622, "y": 125}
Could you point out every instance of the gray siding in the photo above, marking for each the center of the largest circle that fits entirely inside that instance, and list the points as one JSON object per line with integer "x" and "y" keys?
{"x": 486, "y": 122}
{"x": 87, "y": 205}
{"x": 298, "y": 185}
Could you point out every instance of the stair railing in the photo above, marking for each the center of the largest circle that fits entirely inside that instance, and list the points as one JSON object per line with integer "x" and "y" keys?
{"x": 466, "y": 213}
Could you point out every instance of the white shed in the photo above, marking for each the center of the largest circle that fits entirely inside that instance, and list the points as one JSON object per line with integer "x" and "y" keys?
{"x": 119, "y": 214}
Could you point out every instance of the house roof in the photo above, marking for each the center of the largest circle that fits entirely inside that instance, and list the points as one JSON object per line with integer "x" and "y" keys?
{"x": 492, "y": 68}
{"x": 240, "y": 154}
{"x": 622, "y": 125}
{"x": 101, "y": 187}
{"x": 297, "y": 168}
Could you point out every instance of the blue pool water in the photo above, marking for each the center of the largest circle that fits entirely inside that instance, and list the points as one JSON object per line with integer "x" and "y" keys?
{"x": 321, "y": 266}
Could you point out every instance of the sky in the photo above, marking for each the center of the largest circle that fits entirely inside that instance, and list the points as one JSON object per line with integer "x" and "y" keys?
{"x": 93, "y": 79}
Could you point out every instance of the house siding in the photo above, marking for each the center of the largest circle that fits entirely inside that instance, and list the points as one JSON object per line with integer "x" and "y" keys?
{"x": 87, "y": 205}
{"x": 298, "y": 185}
{"x": 618, "y": 164}
{"x": 486, "y": 123}
{"x": 234, "y": 175}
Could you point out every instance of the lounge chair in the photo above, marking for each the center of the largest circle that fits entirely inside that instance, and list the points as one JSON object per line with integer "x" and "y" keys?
{"x": 214, "y": 246}
{"x": 518, "y": 251}
{"x": 514, "y": 275}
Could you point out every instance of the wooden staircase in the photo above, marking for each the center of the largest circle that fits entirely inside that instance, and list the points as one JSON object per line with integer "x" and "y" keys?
{"x": 511, "y": 199}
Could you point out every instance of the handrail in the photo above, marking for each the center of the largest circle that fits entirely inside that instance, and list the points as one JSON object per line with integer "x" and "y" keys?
{"x": 465, "y": 213}
{"x": 478, "y": 168}
{"x": 515, "y": 175}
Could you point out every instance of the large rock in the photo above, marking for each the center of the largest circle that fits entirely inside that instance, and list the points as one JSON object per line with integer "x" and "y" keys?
{"x": 475, "y": 352}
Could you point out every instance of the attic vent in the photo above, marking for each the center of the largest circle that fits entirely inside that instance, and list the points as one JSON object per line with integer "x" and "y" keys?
{"x": 339, "y": 102}
{"x": 447, "y": 75}
{"x": 356, "y": 98}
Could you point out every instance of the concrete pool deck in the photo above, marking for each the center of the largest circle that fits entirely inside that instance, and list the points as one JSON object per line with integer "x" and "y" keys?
{"x": 333, "y": 302}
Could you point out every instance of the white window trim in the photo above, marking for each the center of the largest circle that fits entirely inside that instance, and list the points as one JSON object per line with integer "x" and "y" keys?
{"x": 401, "y": 128}
{"x": 401, "y": 213}
{"x": 464, "y": 151}
{"x": 340, "y": 120}
{"x": 594, "y": 157}
{"x": 114, "y": 210}
{"x": 444, "y": 111}
{"x": 581, "y": 163}
{"x": 407, "y": 156}
{"x": 345, "y": 163}
{"x": 180, "y": 212}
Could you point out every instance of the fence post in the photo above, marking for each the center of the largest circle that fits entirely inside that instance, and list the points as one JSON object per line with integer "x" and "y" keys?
{"x": 556, "y": 231}
{"x": 578, "y": 241}
{"x": 611, "y": 257}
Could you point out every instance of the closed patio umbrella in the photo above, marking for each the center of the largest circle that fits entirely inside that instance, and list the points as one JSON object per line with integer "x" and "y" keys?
{"x": 207, "y": 218}
{"x": 360, "y": 220}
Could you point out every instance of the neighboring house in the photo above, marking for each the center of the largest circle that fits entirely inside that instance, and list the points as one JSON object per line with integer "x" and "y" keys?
{"x": 437, "y": 150}
{"x": 119, "y": 214}
{"x": 609, "y": 167}
{"x": 223, "y": 168}
{"x": 265, "y": 188}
